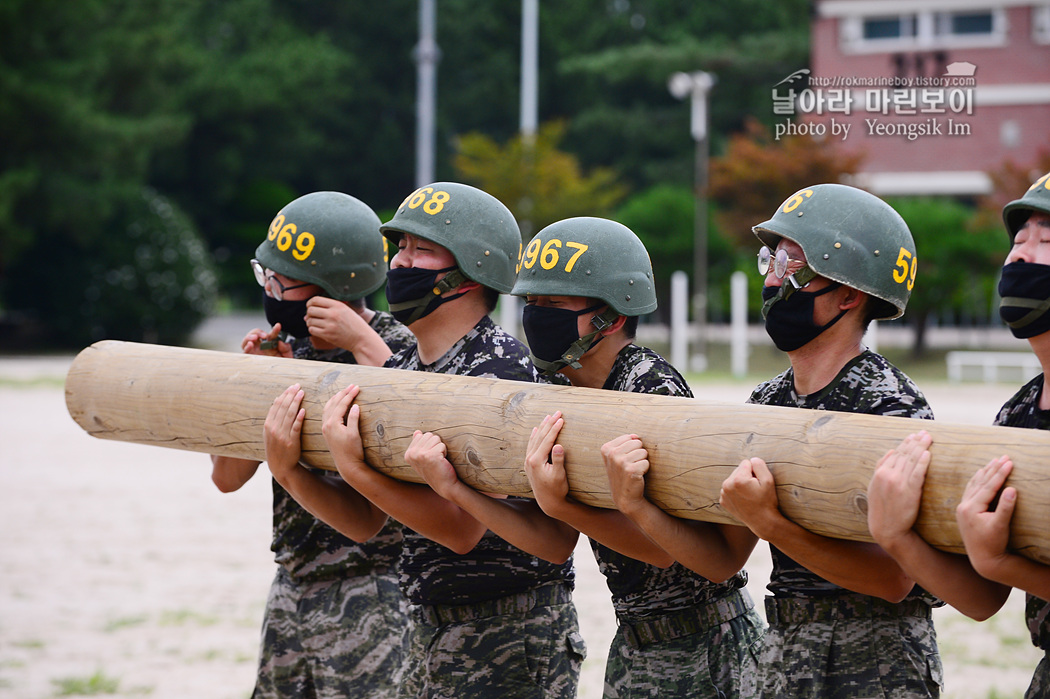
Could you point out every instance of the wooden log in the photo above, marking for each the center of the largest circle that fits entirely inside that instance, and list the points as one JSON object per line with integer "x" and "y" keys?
{"x": 216, "y": 403}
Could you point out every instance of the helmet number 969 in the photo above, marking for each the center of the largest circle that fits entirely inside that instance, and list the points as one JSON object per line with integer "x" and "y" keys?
{"x": 286, "y": 235}
{"x": 904, "y": 270}
{"x": 548, "y": 256}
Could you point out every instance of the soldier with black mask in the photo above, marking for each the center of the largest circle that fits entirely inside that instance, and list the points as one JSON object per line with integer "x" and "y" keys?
{"x": 834, "y": 259}
{"x": 491, "y": 620}
{"x": 986, "y": 508}
{"x": 335, "y": 622}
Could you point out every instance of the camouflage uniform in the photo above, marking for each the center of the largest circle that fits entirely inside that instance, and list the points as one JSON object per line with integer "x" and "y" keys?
{"x": 336, "y": 624}
{"x": 679, "y": 634}
{"x": 494, "y": 622}
{"x": 824, "y": 641}
{"x": 1022, "y": 410}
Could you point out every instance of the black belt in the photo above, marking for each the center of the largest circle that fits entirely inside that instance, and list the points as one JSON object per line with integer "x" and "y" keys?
{"x": 685, "y": 622}
{"x": 438, "y": 614}
{"x": 786, "y": 611}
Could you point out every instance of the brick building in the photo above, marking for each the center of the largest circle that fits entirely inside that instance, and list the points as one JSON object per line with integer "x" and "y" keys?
{"x": 935, "y": 92}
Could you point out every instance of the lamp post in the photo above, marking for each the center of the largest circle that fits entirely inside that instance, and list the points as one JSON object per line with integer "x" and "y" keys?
{"x": 426, "y": 54}
{"x": 696, "y": 86}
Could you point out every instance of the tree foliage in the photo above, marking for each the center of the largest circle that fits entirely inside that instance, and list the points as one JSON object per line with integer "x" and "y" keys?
{"x": 1010, "y": 181}
{"x": 663, "y": 217}
{"x": 957, "y": 261}
{"x": 756, "y": 174}
{"x": 538, "y": 182}
{"x": 228, "y": 109}
{"x": 150, "y": 279}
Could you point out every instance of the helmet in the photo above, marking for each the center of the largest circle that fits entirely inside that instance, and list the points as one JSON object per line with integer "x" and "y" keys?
{"x": 852, "y": 237}
{"x": 329, "y": 239}
{"x": 592, "y": 257}
{"x": 1037, "y": 198}
{"x": 474, "y": 226}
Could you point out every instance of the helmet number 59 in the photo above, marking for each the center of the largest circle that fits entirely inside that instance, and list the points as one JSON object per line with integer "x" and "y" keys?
{"x": 905, "y": 268}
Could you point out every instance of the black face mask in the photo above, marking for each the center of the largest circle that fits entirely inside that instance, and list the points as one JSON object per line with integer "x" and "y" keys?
{"x": 554, "y": 332}
{"x": 789, "y": 321}
{"x": 1025, "y": 291}
{"x": 414, "y": 293}
{"x": 290, "y": 314}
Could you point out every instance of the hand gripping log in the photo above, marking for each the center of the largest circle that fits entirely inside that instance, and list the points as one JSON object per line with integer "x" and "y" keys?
{"x": 216, "y": 403}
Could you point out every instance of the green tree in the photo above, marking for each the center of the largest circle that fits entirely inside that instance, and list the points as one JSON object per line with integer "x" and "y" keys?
{"x": 85, "y": 105}
{"x": 260, "y": 94}
{"x": 957, "y": 262}
{"x": 538, "y": 182}
{"x": 663, "y": 218}
{"x": 613, "y": 72}
{"x": 81, "y": 112}
{"x": 150, "y": 279}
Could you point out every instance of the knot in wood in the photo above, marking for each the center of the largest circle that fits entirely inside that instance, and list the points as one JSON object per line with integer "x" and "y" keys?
{"x": 473, "y": 458}
{"x": 821, "y": 421}
{"x": 512, "y": 403}
{"x": 860, "y": 502}
{"x": 380, "y": 430}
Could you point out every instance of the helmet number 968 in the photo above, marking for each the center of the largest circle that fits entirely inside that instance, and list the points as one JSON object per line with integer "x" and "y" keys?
{"x": 286, "y": 235}
{"x": 904, "y": 270}
{"x": 433, "y": 205}
{"x": 548, "y": 256}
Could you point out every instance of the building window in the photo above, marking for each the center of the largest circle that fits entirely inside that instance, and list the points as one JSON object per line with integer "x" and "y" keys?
{"x": 895, "y": 27}
{"x": 930, "y": 30}
{"x": 963, "y": 23}
{"x": 1041, "y": 24}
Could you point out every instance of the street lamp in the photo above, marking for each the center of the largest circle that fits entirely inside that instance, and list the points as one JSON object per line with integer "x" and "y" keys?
{"x": 697, "y": 85}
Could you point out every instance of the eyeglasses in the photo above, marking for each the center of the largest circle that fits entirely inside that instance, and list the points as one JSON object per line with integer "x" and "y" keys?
{"x": 277, "y": 289}
{"x": 779, "y": 262}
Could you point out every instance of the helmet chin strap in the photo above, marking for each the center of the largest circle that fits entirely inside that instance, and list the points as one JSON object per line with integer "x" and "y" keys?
{"x": 571, "y": 356}
{"x": 447, "y": 283}
{"x": 1038, "y": 308}
{"x": 790, "y": 285}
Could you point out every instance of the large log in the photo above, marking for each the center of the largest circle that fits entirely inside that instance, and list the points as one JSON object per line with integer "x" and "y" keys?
{"x": 216, "y": 403}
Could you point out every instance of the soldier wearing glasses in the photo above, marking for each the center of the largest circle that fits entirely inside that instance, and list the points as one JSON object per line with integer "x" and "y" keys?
{"x": 844, "y": 618}
{"x": 335, "y": 622}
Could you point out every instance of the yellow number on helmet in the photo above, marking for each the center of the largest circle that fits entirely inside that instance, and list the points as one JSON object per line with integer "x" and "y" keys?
{"x": 792, "y": 203}
{"x": 436, "y": 203}
{"x": 304, "y": 245}
{"x": 418, "y": 197}
{"x": 549, "y": 258}
{"x": 531, "y": 253}
{"x": 275, "y": 226}
{"x": 284, "y": 238}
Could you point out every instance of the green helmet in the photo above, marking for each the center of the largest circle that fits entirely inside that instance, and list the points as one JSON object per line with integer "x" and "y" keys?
{"x": 592, "y": 257}
{"x": 1037, "y": 198}
{"x": 474, "y": 226}
{"x": 851, "y": 237}
{"x": 329, "y": 239}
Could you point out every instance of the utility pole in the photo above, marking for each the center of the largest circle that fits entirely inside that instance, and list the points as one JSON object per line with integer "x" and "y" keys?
{"x": 510, "y": 318}
{"x": 426, "y": 54}
{"x": 696, "y": 86}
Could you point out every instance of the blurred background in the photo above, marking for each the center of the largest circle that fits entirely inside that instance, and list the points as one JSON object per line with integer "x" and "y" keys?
{"x": 146, "y": 145}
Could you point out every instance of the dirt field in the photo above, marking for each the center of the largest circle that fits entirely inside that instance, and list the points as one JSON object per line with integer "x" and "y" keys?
{"x": 124, "y": 571}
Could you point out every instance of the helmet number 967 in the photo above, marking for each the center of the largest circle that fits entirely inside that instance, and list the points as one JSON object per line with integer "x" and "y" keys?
{"x": 905, "y": 268}
{"x": 548, "y": 256}
{"x": 286, "y": 235}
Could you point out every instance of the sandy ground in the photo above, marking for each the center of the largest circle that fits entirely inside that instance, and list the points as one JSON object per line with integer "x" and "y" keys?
{"x": 124, "y": 569}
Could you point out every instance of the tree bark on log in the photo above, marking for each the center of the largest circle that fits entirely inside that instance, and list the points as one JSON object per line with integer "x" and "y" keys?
{"x": 216, "y": 403}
